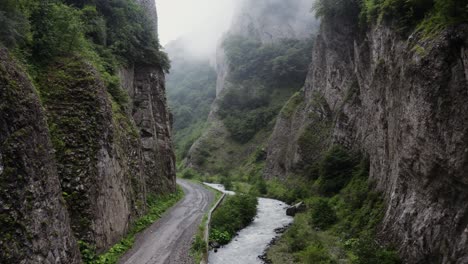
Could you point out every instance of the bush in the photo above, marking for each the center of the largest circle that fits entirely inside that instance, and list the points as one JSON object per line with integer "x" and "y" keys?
{"x": 189, "y": 173}
{"x": 256, "y": 71}
{"x": 226, "y": 182}
{"x": 365, "y": 250}
{"x": 235, "y": 213}
{"x": 316, "y": 254}
{"x": 222, "y": 237}
{"x": 403, "y": 15}
{"x": 15, "y": 25}
{"x": 335, "y": 170}
{"x": 284, "y": 62}
{"x": 57, "y": 31}
{"x": 243, "y": 126}
{"x": 299, "y": 236}
{"x": 322, "y": 214}
{"x": 129, "y": 33}
{"x": 336, "y": 8}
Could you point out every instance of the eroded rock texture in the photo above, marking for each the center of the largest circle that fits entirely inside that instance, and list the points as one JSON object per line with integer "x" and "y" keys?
{"x": 106, "y": 158}
{"x": 403, "y": 102}
{"x": 146, "y": 87}
{"x": 34, "y": 224}
{"x": 98, "y": 152}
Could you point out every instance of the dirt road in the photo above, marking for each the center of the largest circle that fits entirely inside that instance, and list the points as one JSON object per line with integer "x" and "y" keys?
{"x": 168, "y": 241}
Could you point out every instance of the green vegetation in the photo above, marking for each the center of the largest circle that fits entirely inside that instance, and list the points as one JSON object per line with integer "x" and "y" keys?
{"x": 198, "y": 250}
{"x": 322, "y": 214}
{"x": 157, "y": 206}
{"x": 247, "y": 110}
{"x": 191, "y": 88}
{"x": 286, "y": 61}
{"x": 429, "y": 16}
{"x": 339, "y": 225}
{"x": 293, "y": 103}
{"x": 261, "y": 78}
{"x": 335, "y": 170}
{"x": 106, "y": 33}
{"x": 336, "y": 8}
{"x": 341, "y": 219}
{"x": 235, "y": 213}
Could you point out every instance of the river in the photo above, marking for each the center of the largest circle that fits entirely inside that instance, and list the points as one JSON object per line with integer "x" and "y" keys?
{"x": 252, "y": 241}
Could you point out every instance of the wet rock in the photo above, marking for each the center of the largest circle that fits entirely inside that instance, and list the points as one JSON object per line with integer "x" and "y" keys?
{"x": 214, "y": 245}
{"x": 294, "y": 209}
{"x": 281, "y": 230}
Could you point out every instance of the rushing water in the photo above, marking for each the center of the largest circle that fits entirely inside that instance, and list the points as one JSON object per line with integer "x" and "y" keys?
{"x": 252, "y": 241}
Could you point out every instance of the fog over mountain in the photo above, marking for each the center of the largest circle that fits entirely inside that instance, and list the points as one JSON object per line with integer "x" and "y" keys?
{"x": 198, "y": 32}
{"x": 189, "y": 20}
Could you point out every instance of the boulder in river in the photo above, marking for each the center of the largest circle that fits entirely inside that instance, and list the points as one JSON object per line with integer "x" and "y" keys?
{"x": 294, "y": 209}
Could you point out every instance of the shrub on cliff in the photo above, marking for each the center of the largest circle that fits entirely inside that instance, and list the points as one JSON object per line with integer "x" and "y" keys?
{"x": 57, "y": 31}
{"x": 335, "y": 170}
{"x": 15, "y": 25}
{"x": 404, "y": 15}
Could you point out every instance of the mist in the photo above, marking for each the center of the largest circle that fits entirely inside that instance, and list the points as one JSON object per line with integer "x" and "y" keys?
{"x": 197, "y": 25}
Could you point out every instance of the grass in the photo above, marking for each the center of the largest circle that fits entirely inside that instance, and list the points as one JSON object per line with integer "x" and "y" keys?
{"x": 339, "y": 226}
{"x": 293, "y": 103}
{"x": 198, "y": 250}
{"x": 157, "y": 206}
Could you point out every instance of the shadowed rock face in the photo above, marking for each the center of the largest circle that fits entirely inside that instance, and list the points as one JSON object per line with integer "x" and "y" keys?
{"x": 102, "y": 159}
{"x": 150, "y": 112}
{"x": 403, "y": 102}
{"x": 98, "y": 151}
{"x": 34, "y": 224}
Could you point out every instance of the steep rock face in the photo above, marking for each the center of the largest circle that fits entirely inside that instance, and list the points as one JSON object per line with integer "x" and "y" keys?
{"x": 97, "y": 151}
{"x": 111, "y": 157}
{"x": 401, "y": 101}
{"x": 100, "y": 164}
{"x": 34, "y": 222}
{"x": 146, "y": 87}
{"x": 287, "y": 151}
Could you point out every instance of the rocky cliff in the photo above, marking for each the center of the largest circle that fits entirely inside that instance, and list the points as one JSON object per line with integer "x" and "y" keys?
{"x": 81, "y": 148}
{"x": 146, "y": 87}
{"x": 34, "y": 223}
{"x": 402, "y": 101}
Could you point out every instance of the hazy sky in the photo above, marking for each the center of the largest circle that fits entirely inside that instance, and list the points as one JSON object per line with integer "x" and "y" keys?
{"x": 201, "y": 22}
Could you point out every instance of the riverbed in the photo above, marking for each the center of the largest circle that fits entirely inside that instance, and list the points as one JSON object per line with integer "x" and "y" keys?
{"x": 252, "y": 241}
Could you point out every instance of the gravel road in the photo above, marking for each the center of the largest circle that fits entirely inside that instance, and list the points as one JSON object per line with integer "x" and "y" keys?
{"x": 168, "y": 241}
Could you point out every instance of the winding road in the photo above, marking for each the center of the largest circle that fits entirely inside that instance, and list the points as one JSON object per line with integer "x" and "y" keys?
{"x": 168, "y": 241}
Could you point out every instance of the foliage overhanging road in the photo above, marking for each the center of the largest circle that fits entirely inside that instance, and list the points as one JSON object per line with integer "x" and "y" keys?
{"x": 169, "y": 239}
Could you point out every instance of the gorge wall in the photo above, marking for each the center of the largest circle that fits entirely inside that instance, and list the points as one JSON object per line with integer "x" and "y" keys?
{"x": 402, "y": 101}
{"x": 34, "y": 221}
{"x": 76, "y": 165}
